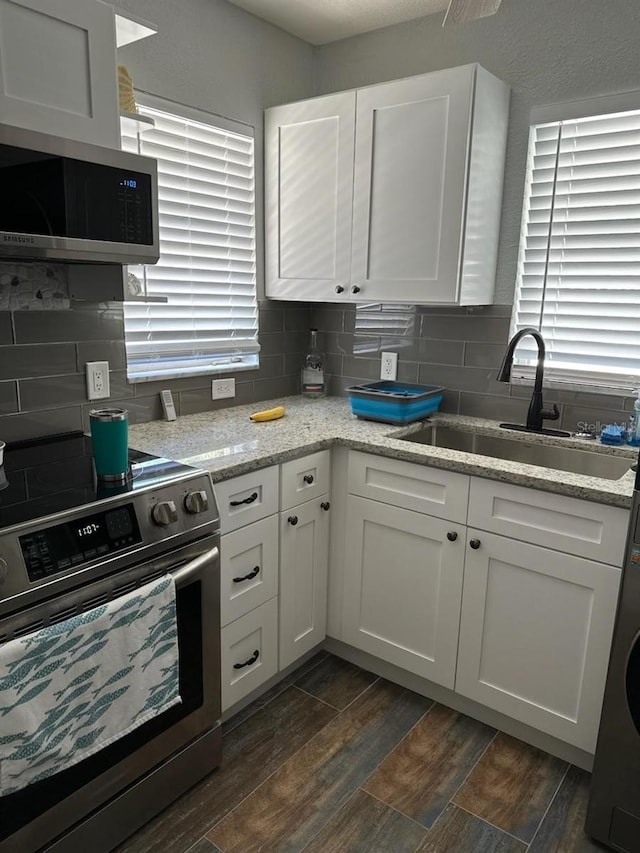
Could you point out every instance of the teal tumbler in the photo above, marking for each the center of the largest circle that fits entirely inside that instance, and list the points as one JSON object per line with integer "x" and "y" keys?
{"x": 110, "y": 438}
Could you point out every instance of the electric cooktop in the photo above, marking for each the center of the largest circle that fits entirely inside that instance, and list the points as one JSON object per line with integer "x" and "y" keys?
{"x": 45, "y": 476}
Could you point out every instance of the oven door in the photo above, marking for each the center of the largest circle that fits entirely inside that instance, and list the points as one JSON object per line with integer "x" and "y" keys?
{"x": 48, "y": 810}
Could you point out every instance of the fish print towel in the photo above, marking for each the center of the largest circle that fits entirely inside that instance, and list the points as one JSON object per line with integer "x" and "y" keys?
{"x": 71, "y": 689}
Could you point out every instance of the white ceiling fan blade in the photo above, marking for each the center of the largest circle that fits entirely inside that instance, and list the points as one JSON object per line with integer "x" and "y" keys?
{"x": 461, "y": 11}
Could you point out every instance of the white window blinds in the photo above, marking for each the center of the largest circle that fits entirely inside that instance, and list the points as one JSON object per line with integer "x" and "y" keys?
{"x": 205, "y": 317}
{"x": 579, "y": 265}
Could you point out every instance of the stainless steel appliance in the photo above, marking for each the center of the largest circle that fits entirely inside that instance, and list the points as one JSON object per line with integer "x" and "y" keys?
{"x": 67, "y": 544}
{"x": 613, "y": 815}
{"x": 70, "y": 201}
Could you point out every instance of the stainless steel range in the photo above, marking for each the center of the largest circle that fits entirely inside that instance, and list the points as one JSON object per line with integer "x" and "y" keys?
{"x": 68, "y": 544}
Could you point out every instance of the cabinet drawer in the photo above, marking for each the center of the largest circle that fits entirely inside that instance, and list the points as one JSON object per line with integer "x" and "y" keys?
{"x": 247, "y": 498}
{"x": 565, "y": 524}
{"x": 304, "y": 479}
{"x": 249, "y": 652}
{"x": 249, "y": 568}
{"x": 408, "y": 485}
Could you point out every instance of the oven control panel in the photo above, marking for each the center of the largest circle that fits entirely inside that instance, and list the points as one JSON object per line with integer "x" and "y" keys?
{"x": 73, "y": 543}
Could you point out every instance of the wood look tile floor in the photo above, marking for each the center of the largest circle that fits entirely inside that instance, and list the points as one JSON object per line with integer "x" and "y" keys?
{"x": 336, "y": 760}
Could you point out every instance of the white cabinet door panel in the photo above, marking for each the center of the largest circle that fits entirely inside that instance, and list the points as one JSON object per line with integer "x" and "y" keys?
{"x": 58, "y": 69}
{"x": 248, "y": 568}
{"x": 403, "y": 583}
{"x": 249, "y": 652}
{"x": 535, "y": 635}
{"x": 578, "y": 527}
{"x": 304, "y": 561}
{"x": 304, "y": 479}
{"x": 308, "y": 197}
{"x": 409, "y": 186}
{"x": 409, "y": 485}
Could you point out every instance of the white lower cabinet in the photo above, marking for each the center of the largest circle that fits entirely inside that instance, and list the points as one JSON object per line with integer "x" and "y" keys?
{"x": 249, "y": 652}
{"x": 403, "y": 587}
{"x": 304, "y": 558}
{"x": 484, "y": 610}
{"x": 535, "y": 635}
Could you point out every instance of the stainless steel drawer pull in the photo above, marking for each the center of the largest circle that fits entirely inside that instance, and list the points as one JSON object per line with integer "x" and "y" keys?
{"x": 308, "y": 478}
{"x": 254, "y": 657}
{"x": 248, "y": 577}
{"x": 253, "y": 497}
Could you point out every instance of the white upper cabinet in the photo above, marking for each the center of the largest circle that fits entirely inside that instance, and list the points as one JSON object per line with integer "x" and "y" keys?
{"x": 308, "y": 199}
{"x": 407, "y": 175}
{"x": 57, "y": 69}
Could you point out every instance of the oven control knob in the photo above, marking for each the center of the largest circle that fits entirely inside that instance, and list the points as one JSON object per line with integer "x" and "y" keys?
{"x": 196, "y": 502}
{"x": 4, "y": 571}
{"x": 164, "y": 513}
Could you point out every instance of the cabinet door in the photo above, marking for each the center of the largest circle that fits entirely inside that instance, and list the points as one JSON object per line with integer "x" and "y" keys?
{"x": 58, "y": 69}
{"x": 304, "y": 556}
{"x": 308, "y": 198}
{"x": 403, "y": 586}
{"x": 535, "y": 635}
{"x": 411, "y": 165}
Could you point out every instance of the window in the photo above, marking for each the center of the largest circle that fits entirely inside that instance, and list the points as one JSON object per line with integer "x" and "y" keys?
{"x": 578, "y": 275}
{"x": 199, "y": 313}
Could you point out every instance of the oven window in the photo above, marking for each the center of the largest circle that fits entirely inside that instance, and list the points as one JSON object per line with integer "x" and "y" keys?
{"x": 17, "y": 810}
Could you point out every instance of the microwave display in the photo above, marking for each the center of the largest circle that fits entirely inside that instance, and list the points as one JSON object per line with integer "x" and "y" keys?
{"x": 63, "y": 197}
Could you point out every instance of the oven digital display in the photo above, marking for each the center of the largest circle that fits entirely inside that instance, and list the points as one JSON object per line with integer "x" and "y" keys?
{"x": 80, "y": 541}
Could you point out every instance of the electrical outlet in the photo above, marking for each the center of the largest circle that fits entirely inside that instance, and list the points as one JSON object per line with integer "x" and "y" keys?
{"x": 97, "y": 380}
{"x": 388, "y": 365}
{"x": 222, "y": 388}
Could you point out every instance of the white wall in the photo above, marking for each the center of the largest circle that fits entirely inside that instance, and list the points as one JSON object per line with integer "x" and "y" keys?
{"x": 211, "y": 55}
{"x": 547, "y": 50}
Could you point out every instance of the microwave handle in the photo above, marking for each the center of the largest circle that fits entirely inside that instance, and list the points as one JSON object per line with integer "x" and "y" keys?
{"x": 184, "y": 573}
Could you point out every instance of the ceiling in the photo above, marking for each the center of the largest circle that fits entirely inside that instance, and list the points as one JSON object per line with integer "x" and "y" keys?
{"x": 323, "y": 21}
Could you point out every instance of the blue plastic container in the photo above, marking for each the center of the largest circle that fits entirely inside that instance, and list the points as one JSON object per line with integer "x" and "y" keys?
{"x": 394, "y": 402}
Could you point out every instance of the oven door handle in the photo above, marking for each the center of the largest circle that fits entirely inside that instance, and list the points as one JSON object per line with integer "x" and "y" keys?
{"x": 184, "y": 573}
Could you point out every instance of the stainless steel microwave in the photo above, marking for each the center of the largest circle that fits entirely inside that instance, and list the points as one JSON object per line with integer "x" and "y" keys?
{"x": 70, "y": 201}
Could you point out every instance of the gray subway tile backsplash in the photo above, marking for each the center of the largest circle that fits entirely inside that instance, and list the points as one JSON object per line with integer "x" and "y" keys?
{"x": 42, "y": 371}
{"x": 81, "y": 323}
{"x": 8, "y": 398}
{"x": 32, "y": 360}
{"x": 6, "y": 329}
{"x": 458, "y": 348}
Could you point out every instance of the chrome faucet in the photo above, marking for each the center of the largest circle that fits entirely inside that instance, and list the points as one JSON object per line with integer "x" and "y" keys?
{"x": 537, "y": 413}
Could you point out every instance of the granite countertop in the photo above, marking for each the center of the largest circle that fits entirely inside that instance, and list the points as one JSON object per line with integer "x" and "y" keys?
{"x": 228, "y": 444}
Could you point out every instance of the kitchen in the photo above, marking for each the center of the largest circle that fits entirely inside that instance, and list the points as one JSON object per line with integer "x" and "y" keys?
{"x": 215, "y": 57}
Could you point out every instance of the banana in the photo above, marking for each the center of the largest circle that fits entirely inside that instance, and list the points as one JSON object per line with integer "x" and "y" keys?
{"x": 268, "y": 415}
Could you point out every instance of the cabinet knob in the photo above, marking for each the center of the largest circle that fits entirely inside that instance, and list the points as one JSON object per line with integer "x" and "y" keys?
{"x": 452, "y": 536}
{"x": 293, "y": 520}
{"x": 355, "y": 289}
{"x": 339, "y": 288}
{"x": 474, "y": 543}
{"x": 325, "y": 505}
{"x": 308, "y": 478}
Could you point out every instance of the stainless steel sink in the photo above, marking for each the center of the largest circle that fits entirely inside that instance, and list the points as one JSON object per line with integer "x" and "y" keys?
{"x": 576, "y": 460}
